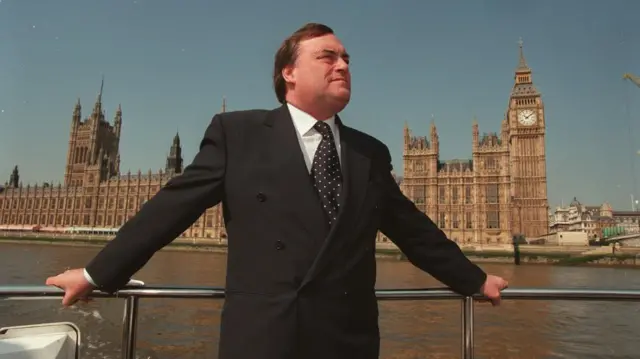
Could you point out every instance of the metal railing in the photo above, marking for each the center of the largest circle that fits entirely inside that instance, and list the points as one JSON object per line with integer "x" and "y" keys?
{"x": 132, "y": 296}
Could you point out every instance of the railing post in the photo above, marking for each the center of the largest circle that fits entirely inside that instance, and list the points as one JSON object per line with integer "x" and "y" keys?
{"x": 129, "y": 327}
{"x": 467, "y": 328}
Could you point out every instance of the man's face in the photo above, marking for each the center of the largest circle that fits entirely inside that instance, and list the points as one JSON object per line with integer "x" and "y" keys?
{"x": 321, "y": 72}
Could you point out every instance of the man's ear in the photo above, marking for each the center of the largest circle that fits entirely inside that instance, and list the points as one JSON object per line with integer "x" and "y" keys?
{"x": 288, "y": 74}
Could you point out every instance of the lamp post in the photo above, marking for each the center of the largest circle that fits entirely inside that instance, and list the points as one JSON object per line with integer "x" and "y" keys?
{"x": 516, "y": 238}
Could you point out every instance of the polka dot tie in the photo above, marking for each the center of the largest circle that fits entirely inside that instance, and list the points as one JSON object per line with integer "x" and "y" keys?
{"x": 326, "y": 173}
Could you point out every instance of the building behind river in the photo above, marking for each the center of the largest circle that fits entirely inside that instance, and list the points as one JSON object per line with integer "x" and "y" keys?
{"x": 501, "y": 190}
{"x": 95, "y": 196}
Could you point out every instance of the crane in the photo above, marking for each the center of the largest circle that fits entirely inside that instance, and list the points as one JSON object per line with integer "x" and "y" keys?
{"x": 633, "y": 78}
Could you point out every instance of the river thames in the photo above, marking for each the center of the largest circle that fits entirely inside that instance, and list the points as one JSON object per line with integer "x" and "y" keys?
{"x": 189, "y": 328}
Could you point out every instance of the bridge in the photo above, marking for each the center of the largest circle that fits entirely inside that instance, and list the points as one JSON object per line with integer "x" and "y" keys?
{"x": 631, "y": 240}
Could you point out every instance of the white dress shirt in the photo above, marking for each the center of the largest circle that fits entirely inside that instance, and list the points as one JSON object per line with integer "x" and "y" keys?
{"x": 308, "y": 137}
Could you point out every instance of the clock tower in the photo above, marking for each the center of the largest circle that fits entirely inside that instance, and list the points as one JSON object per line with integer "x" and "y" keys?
{"x": 526, "y": 119}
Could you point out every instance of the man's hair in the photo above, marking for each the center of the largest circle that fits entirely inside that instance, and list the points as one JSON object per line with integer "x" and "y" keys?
{"x": 287, "y": 54}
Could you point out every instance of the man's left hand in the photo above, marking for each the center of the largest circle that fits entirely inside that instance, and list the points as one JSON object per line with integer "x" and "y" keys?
{"x": 492, "y": 287}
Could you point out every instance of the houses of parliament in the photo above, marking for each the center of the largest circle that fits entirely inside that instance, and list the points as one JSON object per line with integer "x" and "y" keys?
{"x": 499, "y": 192}
{"x": 502, "y": 190}
{"x": 95, "y": 198}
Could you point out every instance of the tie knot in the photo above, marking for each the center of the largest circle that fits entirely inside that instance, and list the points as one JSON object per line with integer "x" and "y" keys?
{"x": 322, "y": 127}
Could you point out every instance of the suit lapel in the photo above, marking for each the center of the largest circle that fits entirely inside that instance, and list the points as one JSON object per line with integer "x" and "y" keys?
{"x": 283, "y": 151}
{"x": 357, "y": 164}
{"x": 355, "y": 171}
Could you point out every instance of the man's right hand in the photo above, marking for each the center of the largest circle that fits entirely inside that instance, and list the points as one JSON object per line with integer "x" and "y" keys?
{"x": 74, "y": 284}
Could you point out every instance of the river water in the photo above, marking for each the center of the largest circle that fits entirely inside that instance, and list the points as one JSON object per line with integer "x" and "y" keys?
{"x": 188, "y": 328}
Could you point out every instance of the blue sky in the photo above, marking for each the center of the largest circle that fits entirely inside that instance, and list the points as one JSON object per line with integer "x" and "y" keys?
{"x": 170, "y": 62}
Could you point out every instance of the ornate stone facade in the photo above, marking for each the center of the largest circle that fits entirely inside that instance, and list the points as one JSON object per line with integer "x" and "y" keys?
{"x": 577, "y": 217}
{"x": 95, "y": 197}
{"x": 593, "y": 220}
{"x": 501, "y": 190}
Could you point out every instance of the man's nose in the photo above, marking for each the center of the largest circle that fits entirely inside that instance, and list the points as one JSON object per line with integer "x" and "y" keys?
{"x": 342, "y": 65}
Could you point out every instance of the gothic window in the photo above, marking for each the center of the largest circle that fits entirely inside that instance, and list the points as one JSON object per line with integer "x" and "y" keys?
{"x": 456, "y": 221}
{"x": 493, "y": 219}
{"x": 455, "y": 196}
{"x": 468, "y": 220}
{"x": 419, "y": 194}
{"x": 442, "y": 199}
{"x": 492, "y": 193}
{"x": 490, "y": 163}
{"x": 442, "y": 220}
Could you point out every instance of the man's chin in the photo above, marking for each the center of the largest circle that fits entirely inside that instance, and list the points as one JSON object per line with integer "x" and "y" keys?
{"x": 341, "y": 100}
{"x": 344, "y": 94}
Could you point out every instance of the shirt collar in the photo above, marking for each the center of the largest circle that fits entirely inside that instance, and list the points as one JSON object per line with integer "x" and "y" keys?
{"x": 304, "y": 122}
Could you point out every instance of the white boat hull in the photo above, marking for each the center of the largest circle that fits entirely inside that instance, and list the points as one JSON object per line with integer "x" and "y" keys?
{"x": 40, "y": 341}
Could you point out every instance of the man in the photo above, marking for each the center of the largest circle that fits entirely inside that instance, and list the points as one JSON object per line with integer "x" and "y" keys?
{"x": 303, "y": 196}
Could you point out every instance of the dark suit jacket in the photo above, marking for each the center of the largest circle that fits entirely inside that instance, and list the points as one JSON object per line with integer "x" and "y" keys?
{"x": 295, "y": 289}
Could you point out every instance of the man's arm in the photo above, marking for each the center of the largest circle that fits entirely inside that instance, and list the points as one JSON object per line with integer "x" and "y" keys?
{"x": 424, "y": 244}
{"x": 165, "y": 216}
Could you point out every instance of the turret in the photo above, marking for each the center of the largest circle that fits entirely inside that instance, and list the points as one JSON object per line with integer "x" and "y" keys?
{"x": 476, "y": 134}
{"x": 435, "y": 144}
{"x": 174, "y": 159}
{"x": 77, "y": 116}
{"x": 14, "y": 179}
{"x": 117, "y": 122}
{"x": 406, "y": 136}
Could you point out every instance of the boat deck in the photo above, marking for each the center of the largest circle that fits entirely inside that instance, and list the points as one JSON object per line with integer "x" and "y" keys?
{"x": 133, "y": 294}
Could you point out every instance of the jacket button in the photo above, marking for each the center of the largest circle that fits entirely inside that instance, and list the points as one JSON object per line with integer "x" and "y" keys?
{"x": 261, "y": 197}
{"x": 279, "y": 245}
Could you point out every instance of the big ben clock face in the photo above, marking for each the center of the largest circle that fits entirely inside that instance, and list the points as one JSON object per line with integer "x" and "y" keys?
{"x": 527, "y": 117}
